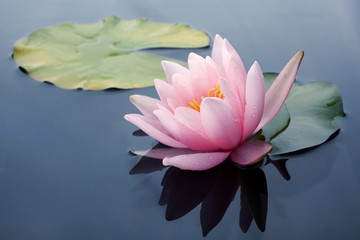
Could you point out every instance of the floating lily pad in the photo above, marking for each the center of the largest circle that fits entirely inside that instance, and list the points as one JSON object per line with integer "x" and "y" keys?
{"x": 315, "y": 111}
{"x": 102, "y": 55}
{"x": 277, "y": 125}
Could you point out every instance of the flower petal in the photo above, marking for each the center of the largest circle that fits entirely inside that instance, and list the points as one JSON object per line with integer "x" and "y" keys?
{"x": 154, "y": 129}
{"x": 233, "y": 100}
{"x": 190, "y": 118}
{"x": 213, "y": 72}
{"x": 164, "y": 89}
{"x": 166, "y": 92}
{"x": 174, "y": 103}
{"x": 234, "y": 68}
{"x": 255, "y": 97}
{"x": 161, "y": 153}
{"x": 145, "y": 104}
{"x": 251, "y": 152}
{"x": 278, "y": 91}
{"x": 183, "y": 87}
{"x": 190, "y": 138}
{"x": 196, "y": 161}
{"x": 170, "y": 68}
{"x": 198, "y": 74}
{"x": 216, "y": 53}
{"x": 220, "y": 122}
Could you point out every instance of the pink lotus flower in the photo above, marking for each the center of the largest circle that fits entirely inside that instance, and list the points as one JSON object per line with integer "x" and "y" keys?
{"x": 210, "y": 111}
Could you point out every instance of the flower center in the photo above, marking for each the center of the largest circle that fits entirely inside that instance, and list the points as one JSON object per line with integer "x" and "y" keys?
{"x": 213, "y": 92}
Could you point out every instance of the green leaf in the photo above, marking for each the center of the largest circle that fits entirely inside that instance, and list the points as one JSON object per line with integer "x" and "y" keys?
{"x": 102, "y": 55}
{"x": 280, "y": 122}
{"x": 315, "y": 111}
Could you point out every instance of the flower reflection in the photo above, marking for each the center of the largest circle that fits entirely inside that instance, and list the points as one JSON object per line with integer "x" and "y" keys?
{"x": 214, "y": 189}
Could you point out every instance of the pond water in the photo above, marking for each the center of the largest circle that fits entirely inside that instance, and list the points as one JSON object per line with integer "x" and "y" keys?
{"x": 64, "y": 161}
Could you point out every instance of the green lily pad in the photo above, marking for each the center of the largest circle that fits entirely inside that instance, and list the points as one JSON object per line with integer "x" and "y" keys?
{"x": 104, "y": 54}
{"x": 315, "y": 111}
{"x": 280, "y": 122}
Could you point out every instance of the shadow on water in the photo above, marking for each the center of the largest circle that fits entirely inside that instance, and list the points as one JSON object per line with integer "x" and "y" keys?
{"x": 214, "y": 189}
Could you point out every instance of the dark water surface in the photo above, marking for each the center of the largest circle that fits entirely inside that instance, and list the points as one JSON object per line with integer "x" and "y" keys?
{"x": 64, "y": 162}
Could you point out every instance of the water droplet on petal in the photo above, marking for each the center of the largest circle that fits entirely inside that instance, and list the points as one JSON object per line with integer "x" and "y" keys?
{"x": 253, "y": 115}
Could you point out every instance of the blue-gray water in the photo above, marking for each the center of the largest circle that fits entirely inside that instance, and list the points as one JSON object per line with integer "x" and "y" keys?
{"x": 64, "y": 162}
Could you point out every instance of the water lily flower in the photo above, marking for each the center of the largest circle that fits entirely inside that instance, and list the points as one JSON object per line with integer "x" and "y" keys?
{"x": 211, "y": 110}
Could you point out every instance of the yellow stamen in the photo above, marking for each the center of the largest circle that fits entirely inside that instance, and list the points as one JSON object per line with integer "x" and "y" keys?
{"x": 195, "y": 105}
{"x": 213, "y": 92}
{"x": 218, "y": 86}
{"x": 194, "y": 100}
{"x": 217, "y": 93}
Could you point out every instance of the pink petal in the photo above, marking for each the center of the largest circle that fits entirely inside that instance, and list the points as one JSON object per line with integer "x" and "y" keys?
{"x": 251, "y": 152}
{"x": 196, "y": 161}
{"x": 213, "y": 72}
{"x": 161, "y": 153}
{"x": 233, "y": 53}
{"x": 217, "y": 52}
{"x": 230, "y": 95}
{"x": 165, "y": 91}
{"x": 198, "y": 74}
{"x": 220, "y": 122}
{"x": 234, "y": 68}
{"x": 190, "y": 118}
{"x": 233, "y": 100}
{"x": 145, "y": 104}
{"x": 171, "y": 68}
{"x": 255, "y": 97}
{"x": 174, "y": 103}
{"x": 197, "y": 65}
{"x": 190, "y": 138}
{"x": 154, "y": 129}
{"x": 278, "y": 91}
{"x": 183, "y": 88}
